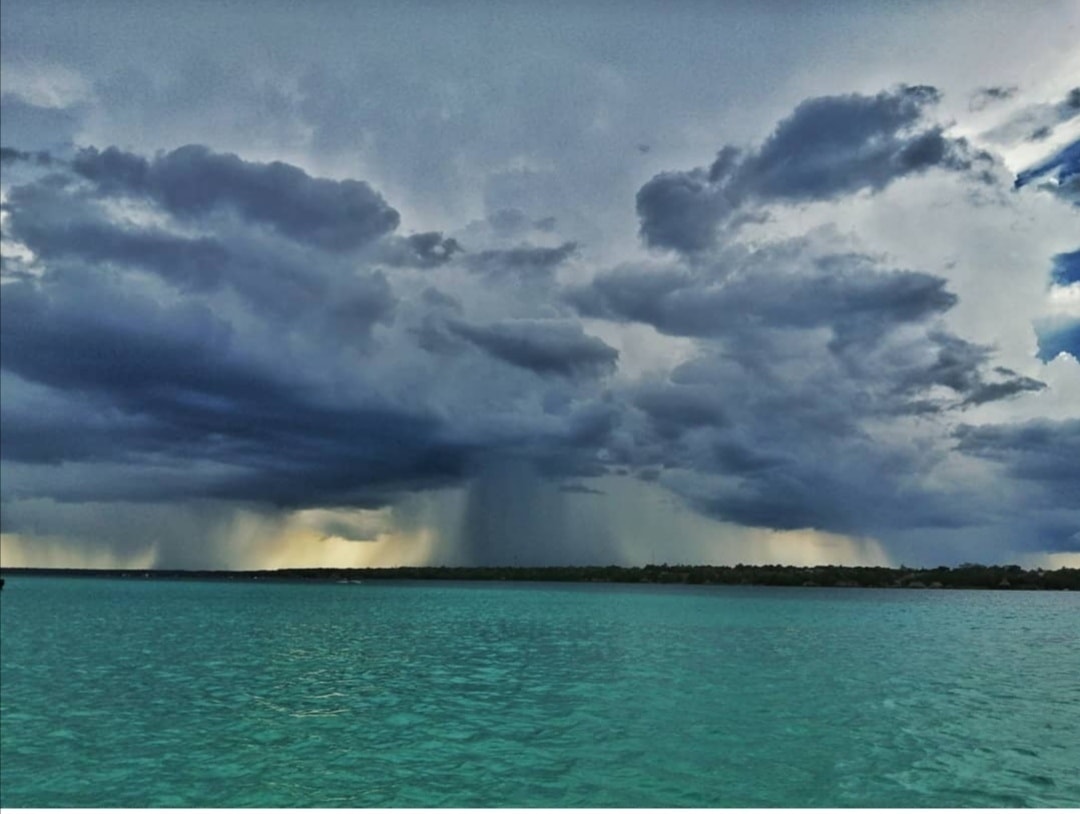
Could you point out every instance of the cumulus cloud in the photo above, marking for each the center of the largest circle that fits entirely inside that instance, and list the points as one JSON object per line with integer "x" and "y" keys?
{"x": 770, "y": 288}
{"x": 789, "y": 435}
{"x": 828, "y": 147}
{"x": 1042, "y": 451}
{"x": 162, "y": 347}
{"x": 215, "y": 385}
{"x": 760, "y": 447}
{"x": 193, "y": 181}
{"x": 681, "y": 210}
{"x": 65, "y": 223}
{"x": 119, "y": 379}
{"x": 197, "y": 326}
{"x": 842, "y": 144}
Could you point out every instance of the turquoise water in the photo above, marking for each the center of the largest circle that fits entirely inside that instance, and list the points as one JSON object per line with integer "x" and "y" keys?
{"x": 147, "y": 693}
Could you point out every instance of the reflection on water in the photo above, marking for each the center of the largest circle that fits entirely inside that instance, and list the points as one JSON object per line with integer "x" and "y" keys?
{"x": 198, "y": 694}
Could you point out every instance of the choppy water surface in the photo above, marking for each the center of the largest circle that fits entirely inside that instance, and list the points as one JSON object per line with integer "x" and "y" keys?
{"x": 146, "y": 693}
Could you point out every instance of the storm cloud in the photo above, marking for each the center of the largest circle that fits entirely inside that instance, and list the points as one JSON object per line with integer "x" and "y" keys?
{"x": 119, "y": 379}
{"x": 828, "y": 147}
{"x": 64, "y": 223}
{"x": 769, "y": 289}
{"x": 1046, "y": 452}
{"x": 193, "y": 181}
{"x": 404, "y": 288}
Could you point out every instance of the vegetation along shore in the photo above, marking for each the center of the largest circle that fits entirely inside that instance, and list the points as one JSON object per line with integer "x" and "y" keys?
{"x": 966, "y": 576}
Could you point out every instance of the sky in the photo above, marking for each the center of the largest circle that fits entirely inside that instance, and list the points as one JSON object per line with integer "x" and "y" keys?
{"x": 381, "y": 283}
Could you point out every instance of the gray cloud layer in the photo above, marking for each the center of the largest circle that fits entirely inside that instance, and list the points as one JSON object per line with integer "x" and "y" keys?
{"x": 543, "y": 346}
{"x": 199, "y": 326}
{"x": 829, "y": 146}
{"x": 193, "y": 181}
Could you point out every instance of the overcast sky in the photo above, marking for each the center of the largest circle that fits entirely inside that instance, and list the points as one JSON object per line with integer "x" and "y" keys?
{"x": 379, "y": 283}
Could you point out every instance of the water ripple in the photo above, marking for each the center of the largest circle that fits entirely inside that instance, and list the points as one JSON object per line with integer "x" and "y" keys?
{"x": 199, "y": 694}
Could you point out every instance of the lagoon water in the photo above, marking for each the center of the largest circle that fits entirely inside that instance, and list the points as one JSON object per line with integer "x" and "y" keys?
{"x": 121, "y": 692}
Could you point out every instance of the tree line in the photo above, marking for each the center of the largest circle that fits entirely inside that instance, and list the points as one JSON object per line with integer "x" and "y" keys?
{"x": 965, "y": 576}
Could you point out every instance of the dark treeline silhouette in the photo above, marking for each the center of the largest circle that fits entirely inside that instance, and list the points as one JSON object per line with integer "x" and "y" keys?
{"x": 968, "y": 575}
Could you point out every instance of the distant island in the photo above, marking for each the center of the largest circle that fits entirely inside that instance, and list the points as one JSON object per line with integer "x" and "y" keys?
{"x": 966, "y": 576}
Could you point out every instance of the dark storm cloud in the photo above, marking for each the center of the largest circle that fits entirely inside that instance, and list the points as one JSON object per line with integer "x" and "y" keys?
{"x": 630, "y": 295}
{"x": 837, "y": 145}
{"x": 802, "y": 358}
{"x": 787, "y": 452}
{"x": 72, "y": 331}
{"x": 43, "y": 425}
{"x": 192, "y": 393}
{"x": 731, "y": 457}
{"x": 1011, "y": 385}
{"x": 193, "y": 181}
{"x": 546, "y": 347}
{"x": 866, "y": 327}
{"x": 60, "y": 222}
{"x": 681, "y": 210}
{"x": 844, "y": 292}
{"x": 171, "y": 385}
{"x": 819, "y": 497}
{"x": 828, "y": 147}
{"x": 674, "y": 410}
{"x": 784, "y": 441}
{"x": 199, "y": 326}
{"x": 202, "y": 389}
{"x": 1041, "y": 450}
{"x": 56, "y": 222}
{"x": 526, "y": 262}
{"x": 961, "y": 366}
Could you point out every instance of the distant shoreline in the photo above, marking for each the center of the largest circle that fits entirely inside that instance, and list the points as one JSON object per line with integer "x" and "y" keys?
{"x": 964, "y": 577}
